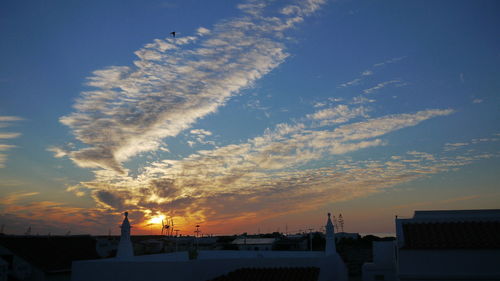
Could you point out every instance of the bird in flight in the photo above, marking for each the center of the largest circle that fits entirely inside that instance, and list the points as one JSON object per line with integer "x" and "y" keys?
{"x": 173, "y": 33}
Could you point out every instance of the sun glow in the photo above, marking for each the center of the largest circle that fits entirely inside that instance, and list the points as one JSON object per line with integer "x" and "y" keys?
{"x": 157, "y": 219}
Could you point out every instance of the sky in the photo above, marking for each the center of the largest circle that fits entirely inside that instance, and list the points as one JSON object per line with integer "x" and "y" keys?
{"x": 258, "y": 116}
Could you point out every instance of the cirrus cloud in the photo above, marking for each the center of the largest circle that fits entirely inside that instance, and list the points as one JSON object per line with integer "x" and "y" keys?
{"x": 175, "y": 82}
{"x": 6, "y": 121}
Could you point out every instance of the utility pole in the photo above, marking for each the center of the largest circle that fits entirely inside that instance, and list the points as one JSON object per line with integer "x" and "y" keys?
{"x": 310, "y": 239}
{"x": 197, "y": 231}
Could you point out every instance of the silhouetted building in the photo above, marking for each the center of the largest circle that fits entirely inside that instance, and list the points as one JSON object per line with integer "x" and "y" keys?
{"x": 44, "y": 257}
{"x": 449, "y": 245}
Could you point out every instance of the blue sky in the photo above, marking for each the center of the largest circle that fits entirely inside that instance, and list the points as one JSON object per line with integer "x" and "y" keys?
{"x": 258, "y": 113}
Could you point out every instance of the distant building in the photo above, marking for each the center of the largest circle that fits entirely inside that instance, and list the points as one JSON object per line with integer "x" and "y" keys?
{"x": 210, "y": 265}
{"x": 292, "y": 243}
{"x": 346, "y": 235}
{"x": 205, "y": 243}
{"x": 254, "y": 244}
{"x": 449, "y": 245}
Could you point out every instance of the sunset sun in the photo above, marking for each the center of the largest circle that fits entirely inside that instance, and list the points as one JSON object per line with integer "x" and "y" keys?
{"x": 157, "y": 219}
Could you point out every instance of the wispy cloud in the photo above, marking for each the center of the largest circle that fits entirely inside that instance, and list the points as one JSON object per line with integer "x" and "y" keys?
{"x": 368, "y": 72}
{"x": 454, "y": 146}
{"x": 361, "y": 100}
{"x": 353, "y": 82}
{"x": 339, "y": 114}
{"x": 389, "y": 61}
{"x": 290, "y": 167}
{"x": 245, "y": 180}
{"x": 379, "y": 86}
{"x": 13, "y": 198}
{"x": 175, "y": 82}
{"x": 358, "y": 80}
{"x": 200, "y": 136}
{"x": 22, "y": 210}
{"x": 6, "y": 121}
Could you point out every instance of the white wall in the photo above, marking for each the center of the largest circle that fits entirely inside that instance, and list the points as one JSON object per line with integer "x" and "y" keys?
{"x": 331, "y": 268}
{"x": 257, "y": 254}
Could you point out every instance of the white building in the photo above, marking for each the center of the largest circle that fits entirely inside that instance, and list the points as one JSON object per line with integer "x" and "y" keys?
{"x": 210, "y": 264}
{"x": 449, "y": 245}
{"x": 125, "y": 248}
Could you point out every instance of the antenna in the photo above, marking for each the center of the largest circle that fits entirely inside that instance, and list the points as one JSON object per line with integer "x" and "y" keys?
{"x": 341, "y": 222}
{"x": 162, "y": 227}
{"x": 335, "y": 224}
{"x": 310, "y": 239}
{"x": 197, "y": 231}
{"x": 28, "y": 232}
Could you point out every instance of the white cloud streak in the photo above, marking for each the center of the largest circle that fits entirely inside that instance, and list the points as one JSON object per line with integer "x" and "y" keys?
{"x": 176, "y": 82}
{"x": 389, "y": 61}
{"x": 379, "y": 86}
{"x": 6, "y": 121}
{"x": 339, "y": 114}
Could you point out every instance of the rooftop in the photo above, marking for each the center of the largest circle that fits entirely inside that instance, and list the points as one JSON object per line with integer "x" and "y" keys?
{"x": 459, "y": 214}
